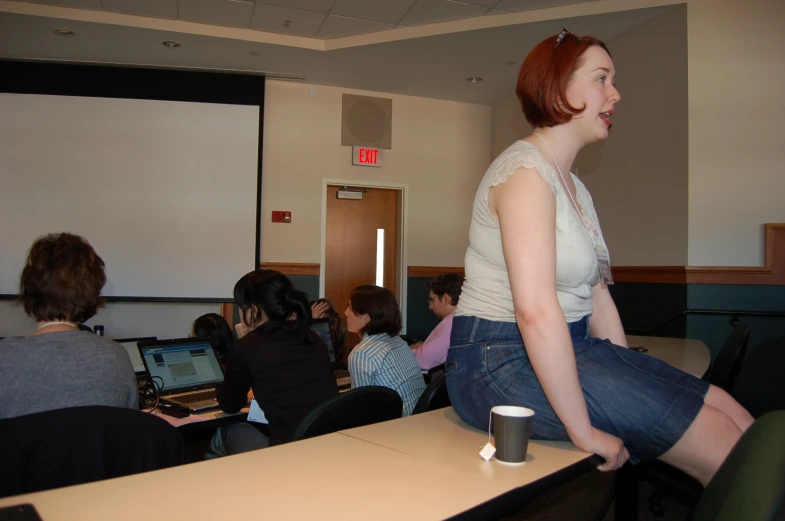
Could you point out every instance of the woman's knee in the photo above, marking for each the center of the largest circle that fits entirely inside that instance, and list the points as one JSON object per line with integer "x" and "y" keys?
{"x": 720, "y": 399}
{"x": 705, "y": 444}
{"x": 243, "y": 437}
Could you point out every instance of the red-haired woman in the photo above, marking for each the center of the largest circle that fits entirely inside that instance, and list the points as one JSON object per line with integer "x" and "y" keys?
{"x": 59, "y": 366}
{"x": 537, "y": 268}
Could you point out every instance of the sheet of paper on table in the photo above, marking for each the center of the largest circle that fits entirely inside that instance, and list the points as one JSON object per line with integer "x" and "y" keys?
{"x": 256, "y": 414}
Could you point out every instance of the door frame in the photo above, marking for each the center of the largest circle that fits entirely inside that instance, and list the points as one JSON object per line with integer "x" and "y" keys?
{"x": 403, "y": 263}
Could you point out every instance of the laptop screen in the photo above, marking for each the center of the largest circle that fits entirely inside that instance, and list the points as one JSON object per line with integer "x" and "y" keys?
{"x": 322, "y": 327}
{"x": 182, "y": 364}
{"x": 133, "y": 352}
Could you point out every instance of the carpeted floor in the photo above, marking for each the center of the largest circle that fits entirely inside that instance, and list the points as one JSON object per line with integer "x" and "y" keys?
{"x": 582, "y": 499}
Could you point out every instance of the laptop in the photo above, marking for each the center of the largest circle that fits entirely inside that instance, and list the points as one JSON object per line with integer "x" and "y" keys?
{"x": 321, "y": 326}
{"x": 187, "y": 370}
{"x": 133, "y": 352}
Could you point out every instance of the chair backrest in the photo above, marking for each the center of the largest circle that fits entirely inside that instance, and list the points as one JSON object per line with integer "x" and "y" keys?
{"x": 760, "y": 386}
{"x": 728, "y": 362}
{"x": 78, "y": 445}
{"x": 353, "y": 408}
{"x": 750, "y": 484}
{"x": 434, "y": 396}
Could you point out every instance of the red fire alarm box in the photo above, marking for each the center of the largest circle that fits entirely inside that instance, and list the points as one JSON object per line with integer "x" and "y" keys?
{"x": 282, "y": 217}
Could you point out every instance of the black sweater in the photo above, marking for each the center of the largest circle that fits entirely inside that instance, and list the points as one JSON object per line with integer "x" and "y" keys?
{"x": 289, "y": 372}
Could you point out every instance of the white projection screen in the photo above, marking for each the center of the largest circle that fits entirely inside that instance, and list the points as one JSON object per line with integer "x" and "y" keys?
{"x": 165, "y": 191}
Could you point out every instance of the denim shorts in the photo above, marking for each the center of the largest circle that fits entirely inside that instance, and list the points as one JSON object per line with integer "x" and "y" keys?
{"x": 642, "y": 400}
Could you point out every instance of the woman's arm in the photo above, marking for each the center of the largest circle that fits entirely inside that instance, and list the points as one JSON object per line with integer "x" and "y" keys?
{"x": 361, "y": 368}
{"x": 526, "y": 210}
{"x": 605, "y": 322}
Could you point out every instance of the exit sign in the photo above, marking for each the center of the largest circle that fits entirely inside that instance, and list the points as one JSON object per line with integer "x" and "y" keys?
{"x": 364, "y": 156}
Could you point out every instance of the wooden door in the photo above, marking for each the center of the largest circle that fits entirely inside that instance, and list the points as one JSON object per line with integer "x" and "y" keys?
{"x": 351, "y": 244}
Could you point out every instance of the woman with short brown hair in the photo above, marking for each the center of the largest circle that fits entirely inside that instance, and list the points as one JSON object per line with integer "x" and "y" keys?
{"x": 382, "y": 357}
{"x": 57, "y": 365}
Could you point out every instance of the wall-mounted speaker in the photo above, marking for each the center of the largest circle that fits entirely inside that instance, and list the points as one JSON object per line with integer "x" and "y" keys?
{"x": 366, "y": 121}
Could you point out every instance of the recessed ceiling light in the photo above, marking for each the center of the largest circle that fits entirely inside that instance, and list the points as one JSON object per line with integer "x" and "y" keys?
{"x": 64, "y": 32}
{"x": 474, "y": 79}
{"x": 171, "y": 44}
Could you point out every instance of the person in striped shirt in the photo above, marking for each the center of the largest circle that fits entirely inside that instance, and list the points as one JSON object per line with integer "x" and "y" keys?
{"x": 382, "y": 357}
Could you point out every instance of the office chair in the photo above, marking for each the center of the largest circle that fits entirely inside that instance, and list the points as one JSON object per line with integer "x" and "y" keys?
{"x": 354, "y": 408}
{"x": 668, "y": 480}
{"x": 434, "y": 396}
{"x": 78, "y": 445}
{"x": 760, "y": 386}
{"x": 750, "y": 484}
{"x": 727, "y": 365}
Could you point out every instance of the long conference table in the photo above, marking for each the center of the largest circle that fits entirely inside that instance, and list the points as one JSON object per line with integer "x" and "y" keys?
{"x": 420, "y": 467}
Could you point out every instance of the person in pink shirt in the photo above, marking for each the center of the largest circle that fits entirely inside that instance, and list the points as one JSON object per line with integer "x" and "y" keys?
{"x": 443, "y": 293}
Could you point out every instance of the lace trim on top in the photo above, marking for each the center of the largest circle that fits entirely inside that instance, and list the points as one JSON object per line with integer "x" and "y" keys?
{"x": 526, "y": 159}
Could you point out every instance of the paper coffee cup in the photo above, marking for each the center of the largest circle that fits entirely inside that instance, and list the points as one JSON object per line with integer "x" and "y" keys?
{"x": 512, "y": 426}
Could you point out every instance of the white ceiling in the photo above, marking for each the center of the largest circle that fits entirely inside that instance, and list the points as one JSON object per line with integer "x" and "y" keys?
{"x": 324, "y": 19}
{"x": 435, "y": 65}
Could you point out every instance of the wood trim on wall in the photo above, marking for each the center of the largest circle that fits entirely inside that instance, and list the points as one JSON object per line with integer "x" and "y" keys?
{"x": 293, "y": 268}
{"x": 771, "y": 273}
{"x": 433, "y": 271}
{"x": 657, "y": 274}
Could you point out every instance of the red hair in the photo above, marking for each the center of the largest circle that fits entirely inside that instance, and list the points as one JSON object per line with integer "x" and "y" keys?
{"x": 542, "y": 82}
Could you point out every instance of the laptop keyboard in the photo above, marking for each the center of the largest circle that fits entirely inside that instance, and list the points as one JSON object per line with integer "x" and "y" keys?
{"x": 197, "y": 397}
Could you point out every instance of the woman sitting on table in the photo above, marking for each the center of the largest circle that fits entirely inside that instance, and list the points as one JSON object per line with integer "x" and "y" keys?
{"x": 57, "y": 365}
{"x": 537, "y": 269}
{"x": 285, "y": 364}
{"x": 382, "y": 357}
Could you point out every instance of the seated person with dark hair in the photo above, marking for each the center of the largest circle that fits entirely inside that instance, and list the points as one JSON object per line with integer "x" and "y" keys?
{"x": 382, "y": 357}
{"x": 58, "y": 366}
{"x": 443, "y": 294}
{"x": 238, "y": 437}
{"x": 214, "y": 328}
{"x": 285, "y": 363}
{"x": 323, "y": 308}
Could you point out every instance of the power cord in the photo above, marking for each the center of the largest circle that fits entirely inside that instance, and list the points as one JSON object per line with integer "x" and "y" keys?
{"x": 149, "y": 389}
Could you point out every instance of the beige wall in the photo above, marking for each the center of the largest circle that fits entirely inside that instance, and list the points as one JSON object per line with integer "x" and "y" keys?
{"x": 439, "y": 148}
{"x": 736, "y": 113}
{"x": 638, "y": 177}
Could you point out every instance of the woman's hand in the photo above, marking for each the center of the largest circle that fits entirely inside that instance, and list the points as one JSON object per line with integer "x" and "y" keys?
{"x": 241, "y": 330}
{"x": 318, "y": 309}
{"x": 608, "y": 447}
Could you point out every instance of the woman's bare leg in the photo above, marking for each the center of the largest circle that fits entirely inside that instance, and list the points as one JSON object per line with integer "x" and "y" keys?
{"x": 721, "y": 400}
{"x": 705, "y": 444}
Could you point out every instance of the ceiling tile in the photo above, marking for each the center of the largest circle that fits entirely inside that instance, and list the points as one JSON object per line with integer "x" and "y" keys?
{"x": 338, "y": 26}
{"x": 319, "y": 6}
{"x": 527, "y": 5}
{"x": 486, "y": 3}
{"x": 228, "y": 13}
{"x": 390, "y": 11}
{"x": 271, "y": 19}
{"x": 77, "y": 4}
{"x": 434, "y": 11}
{"x": 148, "y": 8}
